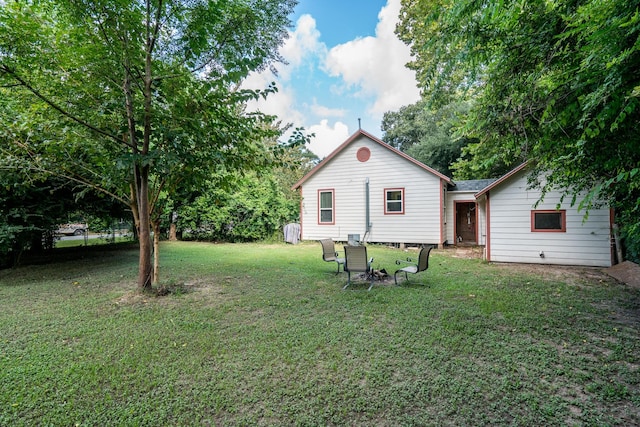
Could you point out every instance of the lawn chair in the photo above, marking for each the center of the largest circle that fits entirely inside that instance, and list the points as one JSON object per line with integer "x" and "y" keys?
{"x": 356, "y": 261}
{"x": 422, "y": 265}
{"x": 329, "y": 253}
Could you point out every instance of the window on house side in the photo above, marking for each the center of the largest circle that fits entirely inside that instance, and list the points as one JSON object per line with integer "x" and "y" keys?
{"x": 394, "y": 201}
{"x": 325, "y": 207}
{"x": 550, "y": 221}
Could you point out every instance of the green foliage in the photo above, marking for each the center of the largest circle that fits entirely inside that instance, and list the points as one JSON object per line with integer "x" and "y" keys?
{"x": 255, "y": 207}
{"x": 32, "y": 207}
{"x": 427, "y": 135}
{"x": 241, "y": 207}
{"x": 139, "y": 100}
{"x": 26, "y": 214}
{"x": 553, "y": 82}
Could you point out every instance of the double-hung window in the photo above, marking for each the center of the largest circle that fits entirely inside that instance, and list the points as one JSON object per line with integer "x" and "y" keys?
{"x": 549, "y": 221}
{"x": 326, "y": 207}
{"x": 394, "y": 201}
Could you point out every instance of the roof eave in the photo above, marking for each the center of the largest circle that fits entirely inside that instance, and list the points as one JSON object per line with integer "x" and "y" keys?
{"x": 500, "y": 180}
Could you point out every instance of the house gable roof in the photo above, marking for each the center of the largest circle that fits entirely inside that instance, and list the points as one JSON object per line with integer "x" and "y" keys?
{"x": 354, "y": 137}
{"x": 500, "y": 180}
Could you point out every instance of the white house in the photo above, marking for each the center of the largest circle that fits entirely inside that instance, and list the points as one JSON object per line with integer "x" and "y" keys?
{"x": 368, "y": 188}
{"x": 369, "y": 191}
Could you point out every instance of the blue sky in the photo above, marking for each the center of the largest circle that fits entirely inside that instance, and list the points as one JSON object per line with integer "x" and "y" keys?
{"x": 341, "y": 21}
{"x": 344, "y": 63}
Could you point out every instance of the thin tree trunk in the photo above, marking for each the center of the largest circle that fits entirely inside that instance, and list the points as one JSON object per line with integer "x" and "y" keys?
{"x": 145, "y": 272}
{"x": 156, "y": 251}
{"x": 173, "y": 227}
{"x": 133, "y": 204}
{"x": 144, "y": 266}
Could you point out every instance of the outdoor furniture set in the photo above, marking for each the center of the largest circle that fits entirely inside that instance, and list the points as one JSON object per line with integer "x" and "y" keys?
{"x": 356, "y": 261}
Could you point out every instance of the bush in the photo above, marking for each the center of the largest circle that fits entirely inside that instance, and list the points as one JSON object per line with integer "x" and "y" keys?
{"x": 255, "y": 209}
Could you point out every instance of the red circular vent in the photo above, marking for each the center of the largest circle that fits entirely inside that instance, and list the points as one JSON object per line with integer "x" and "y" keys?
{"x": 363, "y": 154}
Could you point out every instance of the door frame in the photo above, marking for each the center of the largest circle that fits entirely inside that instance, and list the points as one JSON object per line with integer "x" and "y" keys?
{"x": 455, "y": 219}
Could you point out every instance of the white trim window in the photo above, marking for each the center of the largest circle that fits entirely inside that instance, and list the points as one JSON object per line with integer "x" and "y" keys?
{"x": 394, "y": 201}
{"x": 326, "y": 207}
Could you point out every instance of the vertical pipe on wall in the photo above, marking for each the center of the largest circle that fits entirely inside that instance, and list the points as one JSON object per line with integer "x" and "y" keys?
{"x": 367, "y": 212}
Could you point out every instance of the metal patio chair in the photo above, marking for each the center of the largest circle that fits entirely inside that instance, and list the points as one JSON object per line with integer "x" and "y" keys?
{"x": 329, "y": 253}
{"x": 422, "y": 265}
{"x": 356, "y": 261}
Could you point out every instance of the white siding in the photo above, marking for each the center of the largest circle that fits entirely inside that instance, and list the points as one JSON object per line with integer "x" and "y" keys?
{"x": 482, "y": 222}
{"x": 511, "y": 239}
{"x": 346, "y": 175}
{"x": 467, "y": 196}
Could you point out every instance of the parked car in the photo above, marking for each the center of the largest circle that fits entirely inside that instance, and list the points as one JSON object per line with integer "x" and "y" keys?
{"x": 72, "y": 229}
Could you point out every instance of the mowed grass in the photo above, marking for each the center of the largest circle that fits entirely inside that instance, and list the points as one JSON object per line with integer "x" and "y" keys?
{"x": 102, "y": 239}
{"x": 257, "y": 334}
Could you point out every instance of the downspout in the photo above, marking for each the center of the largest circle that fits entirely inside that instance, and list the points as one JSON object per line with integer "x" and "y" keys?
{"x": 367, "y": 210}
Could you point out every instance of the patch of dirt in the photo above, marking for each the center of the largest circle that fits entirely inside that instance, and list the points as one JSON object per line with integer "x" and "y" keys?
{"x": 571, "y": 274}
{"x": 133, "y": 298}
{"x": 574, "y": 275}
{"x": 469, "y": 252}
{"x": 205, "y": 289}
{"x": 381, "y": 277}
{"x": 627, "y": 272}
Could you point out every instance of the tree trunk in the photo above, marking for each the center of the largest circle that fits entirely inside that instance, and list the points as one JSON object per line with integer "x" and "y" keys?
{"x": 156, "y": 251}
{"x": 133, "y": 204}
{"x": 142, "y": 197}
{"x": 173, "y": 236}
{"x": 145, "y": 272}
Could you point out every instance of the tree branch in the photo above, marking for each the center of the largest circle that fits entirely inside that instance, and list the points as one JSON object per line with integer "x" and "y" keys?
{"x": 59, "y": 109}
{"x": 60, "y": 173}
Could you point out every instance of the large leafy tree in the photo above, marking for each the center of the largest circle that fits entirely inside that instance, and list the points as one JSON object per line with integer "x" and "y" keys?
{"x": 556, "y": 82}
{"x": 246, "y": 206}
{"x": 138, "y": 99}
{"x": 427, "y": 135}
{"x": 255, "y": 210}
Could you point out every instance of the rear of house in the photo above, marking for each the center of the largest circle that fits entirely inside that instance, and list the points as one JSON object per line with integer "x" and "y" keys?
{"x": 368, "y": 191}
{"x": 368, "y": 188}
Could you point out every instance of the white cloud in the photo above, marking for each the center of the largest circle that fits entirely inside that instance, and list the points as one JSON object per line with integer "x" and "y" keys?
{"x": 302, "y": 43}
{"x": 327, "y": 138}
{"x": 323, "y": 111}
{"x": 281, "y": 103}
{"x": 376, "y": 65}
{"x": 367, "y": 73}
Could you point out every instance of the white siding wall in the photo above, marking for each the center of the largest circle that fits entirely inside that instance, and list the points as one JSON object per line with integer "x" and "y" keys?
{"x": 511, "y": 240}
{"x": 452, "y": 197}
{"x": 482, "y": 222}
{"x": 385, "y": 169}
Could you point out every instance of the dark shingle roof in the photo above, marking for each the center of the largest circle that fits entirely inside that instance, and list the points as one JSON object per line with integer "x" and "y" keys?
{"x": 472, "y": 184}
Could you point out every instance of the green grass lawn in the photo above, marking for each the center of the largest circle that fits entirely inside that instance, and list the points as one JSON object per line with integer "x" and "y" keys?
{"x": 101, "y": 239}
{"x": 258, "y": 334}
